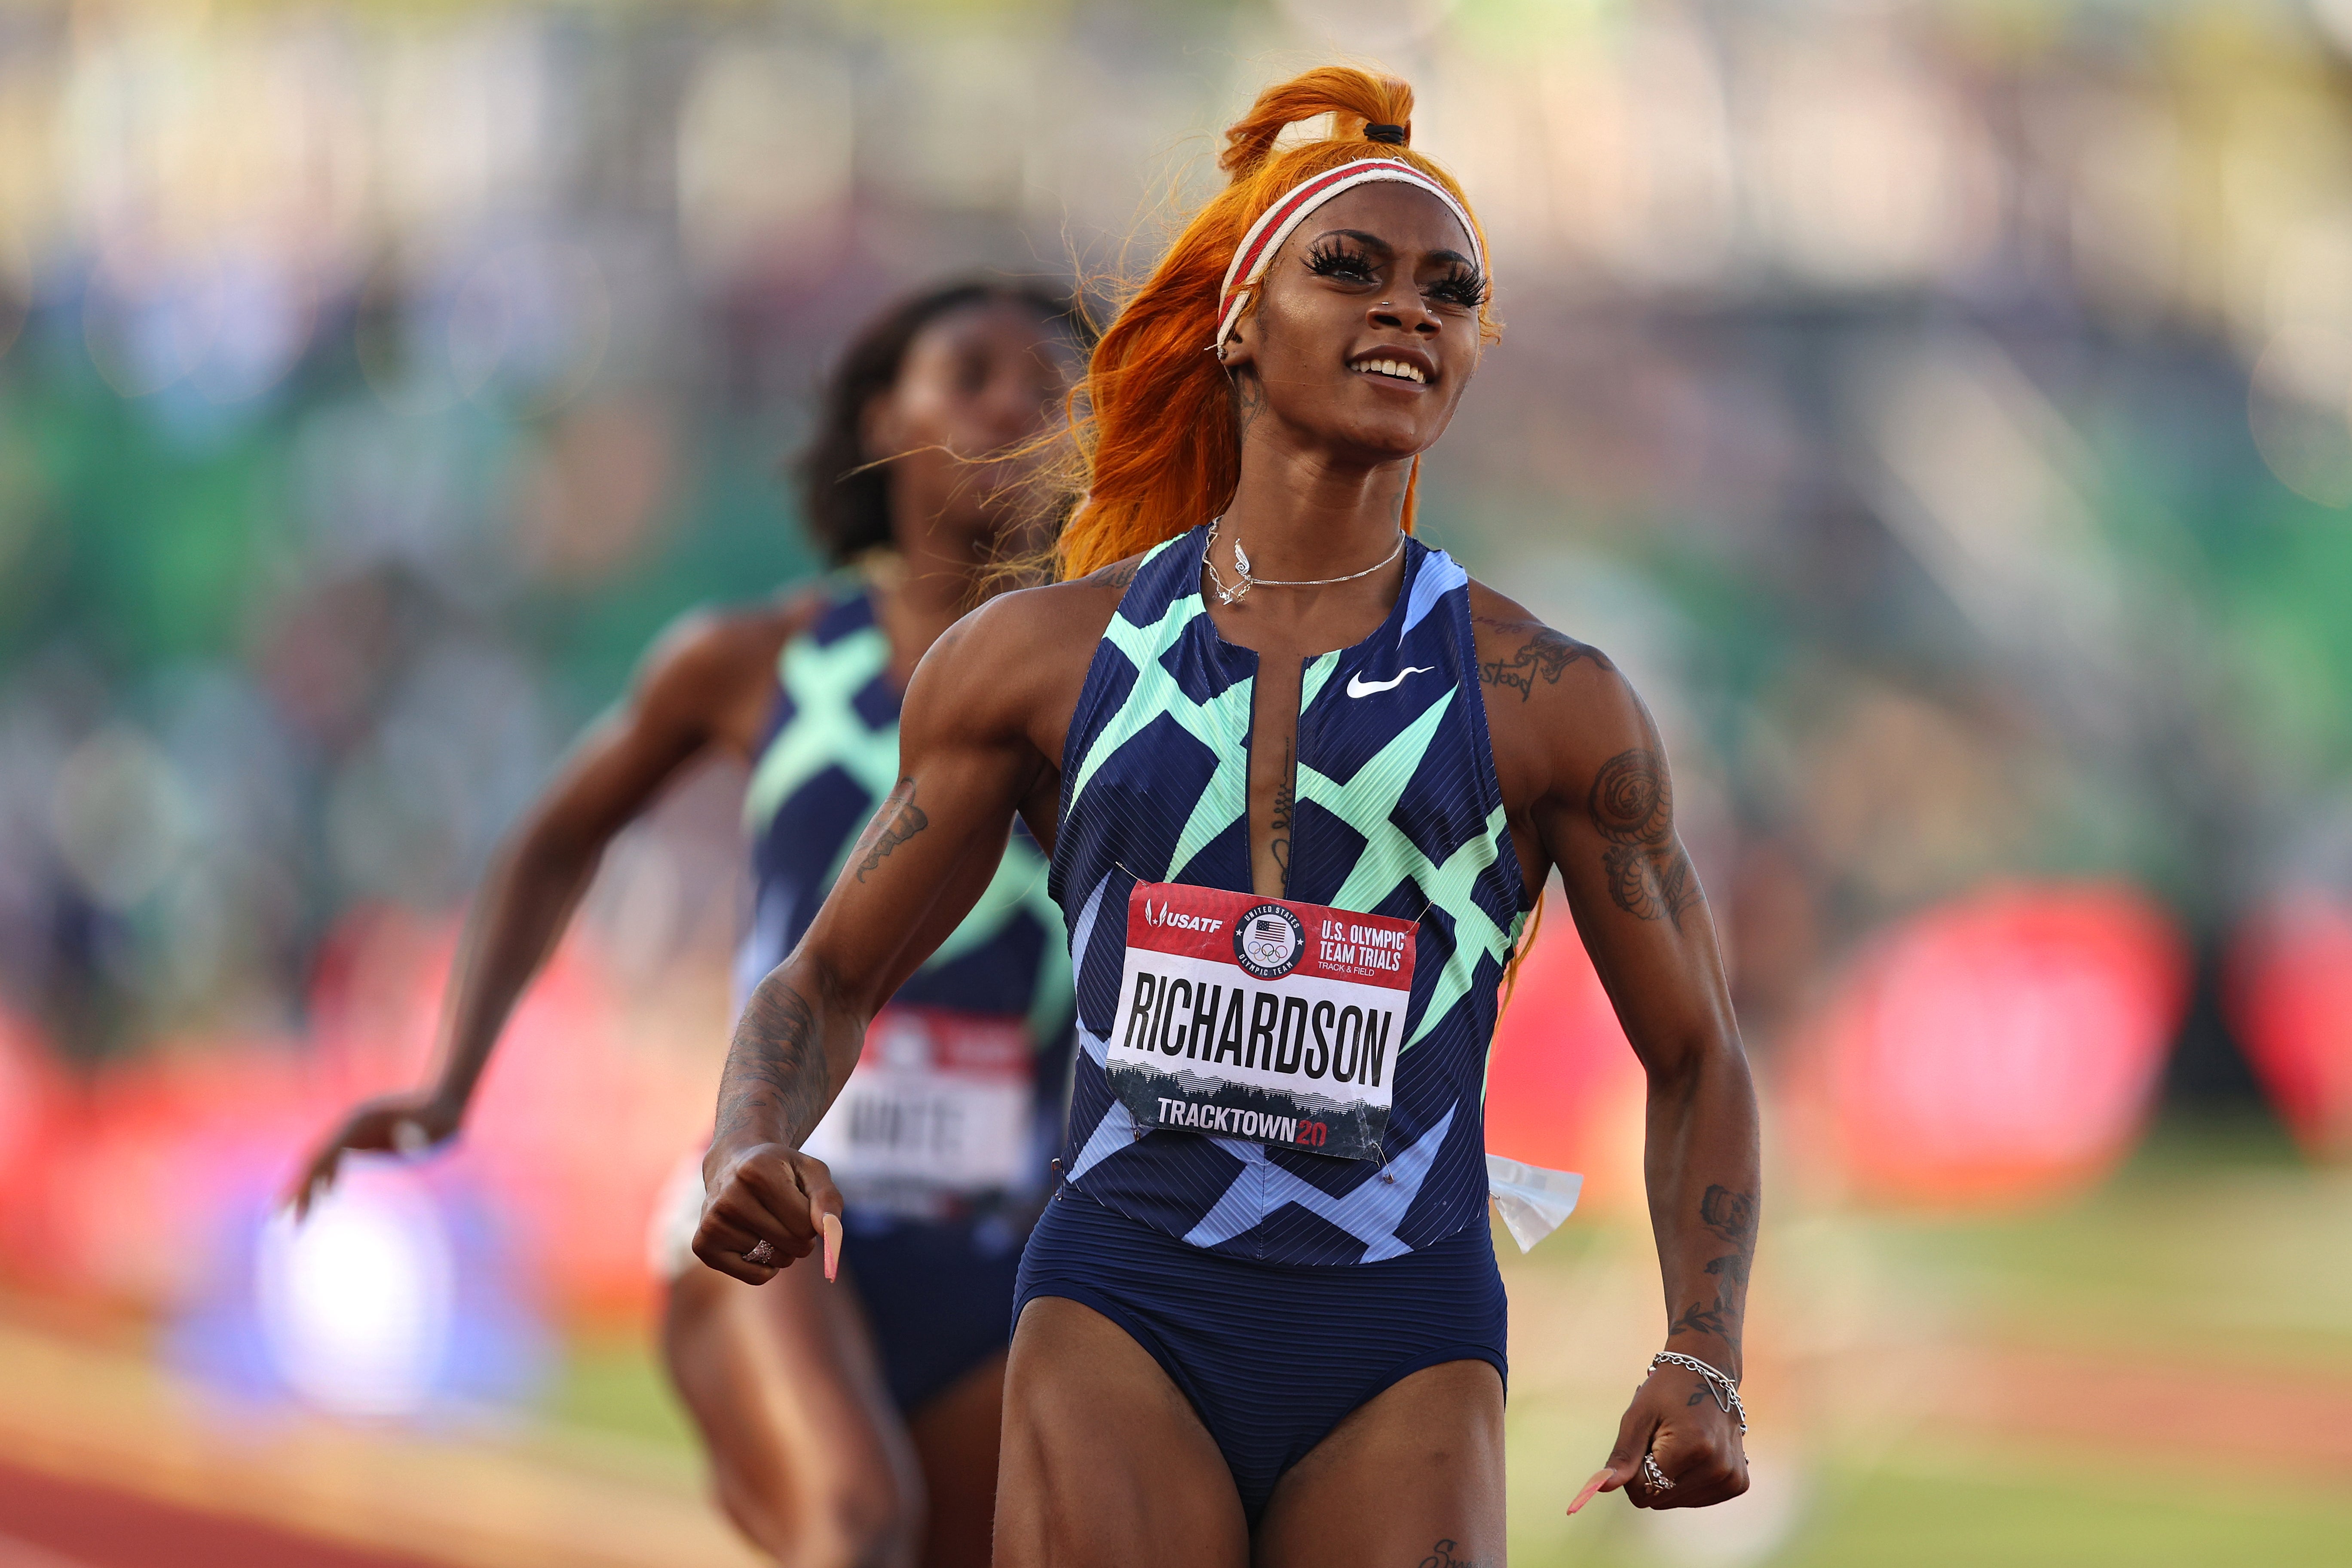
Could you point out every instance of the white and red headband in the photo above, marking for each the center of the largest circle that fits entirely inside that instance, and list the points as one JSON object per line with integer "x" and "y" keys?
{"x": 1267, "y": 235}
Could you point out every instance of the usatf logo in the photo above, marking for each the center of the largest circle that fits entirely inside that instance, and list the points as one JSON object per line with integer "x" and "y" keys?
{"x": 1269, "y": 941}
{"x": 1168, "y": 915}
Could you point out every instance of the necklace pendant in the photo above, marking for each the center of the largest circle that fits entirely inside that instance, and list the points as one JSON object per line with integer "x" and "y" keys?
{"x": 1241, "y": 568}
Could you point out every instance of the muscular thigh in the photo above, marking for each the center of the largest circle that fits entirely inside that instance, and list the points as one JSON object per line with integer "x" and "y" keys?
{"x": 1413, "y": 1477}
{"x": 1104, "y": 1461}
{"x": 782, "y": 1381}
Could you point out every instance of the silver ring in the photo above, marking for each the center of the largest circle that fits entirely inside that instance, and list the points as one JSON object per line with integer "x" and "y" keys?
{"x": 762, "y": 1254}
{"x": 1649, "y": 1471}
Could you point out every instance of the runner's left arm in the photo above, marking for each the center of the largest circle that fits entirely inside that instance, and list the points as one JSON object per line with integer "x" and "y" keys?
{"x": 1604, "y": 814}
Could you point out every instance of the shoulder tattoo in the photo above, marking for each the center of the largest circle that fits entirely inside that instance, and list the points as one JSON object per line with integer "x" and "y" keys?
{"x": 1543, "y": 654}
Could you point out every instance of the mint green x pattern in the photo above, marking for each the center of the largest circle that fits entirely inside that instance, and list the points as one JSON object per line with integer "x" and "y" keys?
{"x": 826, "y": 731}
{"x": 1368, "y": 803}
{"x": 1019, "y": 883}
{"x": 1222, "y": 724}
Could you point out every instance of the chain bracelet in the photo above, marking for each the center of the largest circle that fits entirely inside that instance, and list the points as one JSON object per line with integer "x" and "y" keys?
{"x": 1724, "y": 1389}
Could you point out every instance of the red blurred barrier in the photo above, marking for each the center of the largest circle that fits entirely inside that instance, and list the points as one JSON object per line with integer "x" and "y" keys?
{"x": 125, "y": 1200}
{"x": 2003, "y": 1048}
{"x": 1563, "y": 1088}
{"x": 115, "y": 1189}
{"x": 35, "y": 1103}
{"x": 2288, "y": 996}
{"x": 31, "y": 1090}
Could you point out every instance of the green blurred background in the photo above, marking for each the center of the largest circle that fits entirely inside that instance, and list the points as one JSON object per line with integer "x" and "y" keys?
{"x": 1938, "y": 408}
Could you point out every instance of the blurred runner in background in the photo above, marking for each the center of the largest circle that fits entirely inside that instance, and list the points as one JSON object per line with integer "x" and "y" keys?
{"x": 853, "y": 1423}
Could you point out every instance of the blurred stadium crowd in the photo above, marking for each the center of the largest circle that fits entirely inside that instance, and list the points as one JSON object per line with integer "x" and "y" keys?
{"x": 1940, "y": 409}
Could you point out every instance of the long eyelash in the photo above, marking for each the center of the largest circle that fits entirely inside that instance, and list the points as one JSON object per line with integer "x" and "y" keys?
{"x": 1463, "y": 288}
{"x": 1336, "y": 259}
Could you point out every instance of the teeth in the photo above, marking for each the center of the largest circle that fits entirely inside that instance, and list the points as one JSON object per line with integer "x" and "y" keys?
{"x": 1396, "y": 368}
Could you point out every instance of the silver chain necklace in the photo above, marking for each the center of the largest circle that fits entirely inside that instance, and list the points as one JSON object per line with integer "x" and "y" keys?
{"x": 1226, "y": 593}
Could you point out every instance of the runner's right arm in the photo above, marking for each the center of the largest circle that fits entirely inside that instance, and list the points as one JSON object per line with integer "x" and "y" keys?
{"x": 704, "y": 684}
{"x": 983, "y": 714}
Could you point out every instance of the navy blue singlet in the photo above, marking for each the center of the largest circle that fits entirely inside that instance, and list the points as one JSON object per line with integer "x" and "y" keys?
{"x": 1399, "y": 813}
{"x": 1210, "y": 1250}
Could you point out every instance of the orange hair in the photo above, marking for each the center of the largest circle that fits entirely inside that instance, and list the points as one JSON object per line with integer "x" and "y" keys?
{"x": 1157, "y": 446}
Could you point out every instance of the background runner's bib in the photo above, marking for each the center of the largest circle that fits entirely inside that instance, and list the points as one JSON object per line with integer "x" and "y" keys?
{"x": 941, "y": 1104}
{"x": 1260, "y": 1018}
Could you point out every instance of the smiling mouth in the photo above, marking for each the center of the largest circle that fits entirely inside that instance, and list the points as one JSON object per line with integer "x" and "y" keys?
{"x": 1394, "y": 368}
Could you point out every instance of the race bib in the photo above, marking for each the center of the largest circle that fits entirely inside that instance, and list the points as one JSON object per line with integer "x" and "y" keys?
{"x": 941, "y": 1104}
{"x": 1260, "y": 1018}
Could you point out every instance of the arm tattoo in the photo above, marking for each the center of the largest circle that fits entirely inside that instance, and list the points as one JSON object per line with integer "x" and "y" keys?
{"x": 1704, "y": 1318}
{"x": 887, "y": 833}
{"x": 1732, "y": 1217}
{"x": 1441, "y": 1556}
{"x": 1545, "y": 654}
{"x": 1633, "y": 805}
{"x": 775, "y": 1062}
{"x": 1284, "y": 803}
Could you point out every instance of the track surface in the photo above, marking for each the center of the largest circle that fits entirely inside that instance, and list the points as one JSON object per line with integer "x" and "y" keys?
{"x": 50, "y": 1523}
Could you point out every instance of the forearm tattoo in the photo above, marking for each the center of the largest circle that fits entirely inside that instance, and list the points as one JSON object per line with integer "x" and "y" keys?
{"x": 898, "y": 820}
{"x": 1546, "y": 655}
{"x": 774, "y": 1064}
{"x": 1632, "y": 804}
{"x": 1732, "y": 1217}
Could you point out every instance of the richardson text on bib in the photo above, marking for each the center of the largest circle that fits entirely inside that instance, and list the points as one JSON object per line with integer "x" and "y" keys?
{"x": 1260, "y": 1018}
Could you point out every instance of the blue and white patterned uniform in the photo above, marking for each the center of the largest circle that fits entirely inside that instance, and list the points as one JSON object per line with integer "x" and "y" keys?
{"x": 1399, "y": 813}
{"x": 1240, "y": 1268}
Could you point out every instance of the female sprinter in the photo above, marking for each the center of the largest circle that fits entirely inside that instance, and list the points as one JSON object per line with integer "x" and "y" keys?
{"x": 855, "y": 1424}
{"x": 1302, "y": 779}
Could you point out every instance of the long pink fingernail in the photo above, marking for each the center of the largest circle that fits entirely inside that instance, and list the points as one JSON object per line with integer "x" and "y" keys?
{"x": 1591, "y": 1488}
{"x": 832, "y": 1227}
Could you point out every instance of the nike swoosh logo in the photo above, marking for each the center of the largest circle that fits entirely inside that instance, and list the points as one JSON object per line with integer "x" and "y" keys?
{"x": 1358, "y": 687}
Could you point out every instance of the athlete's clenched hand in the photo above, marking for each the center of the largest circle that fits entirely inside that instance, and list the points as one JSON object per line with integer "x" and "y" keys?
{"x": 1697, "y": 1444}
{"x": 765, "y": 1192}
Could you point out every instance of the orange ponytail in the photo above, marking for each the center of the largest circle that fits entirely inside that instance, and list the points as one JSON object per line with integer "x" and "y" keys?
{"x": 1158, "y": 450}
